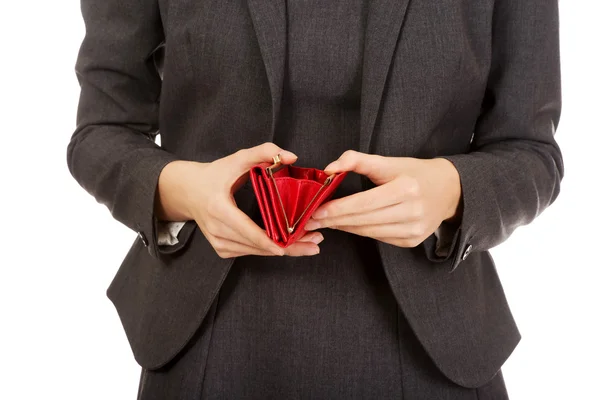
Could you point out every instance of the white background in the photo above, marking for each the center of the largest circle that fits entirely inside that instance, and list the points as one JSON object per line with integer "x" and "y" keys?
{"x": 60, "y": 337}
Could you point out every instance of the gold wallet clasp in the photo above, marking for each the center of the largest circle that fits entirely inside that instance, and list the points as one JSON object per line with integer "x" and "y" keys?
{"x": 277, "y": 165}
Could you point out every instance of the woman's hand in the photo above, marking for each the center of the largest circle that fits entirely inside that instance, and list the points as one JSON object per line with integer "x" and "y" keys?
{"x": 412, "y": 198}
{"x": 204, "y": 192}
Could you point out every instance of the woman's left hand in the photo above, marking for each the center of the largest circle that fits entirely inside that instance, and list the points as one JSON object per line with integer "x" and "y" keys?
{"x": 412, "y": 198}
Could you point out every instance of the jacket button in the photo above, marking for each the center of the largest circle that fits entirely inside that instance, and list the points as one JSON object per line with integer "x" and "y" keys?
{"x": 467, "y": 251}
{"x": 143, "y": 238}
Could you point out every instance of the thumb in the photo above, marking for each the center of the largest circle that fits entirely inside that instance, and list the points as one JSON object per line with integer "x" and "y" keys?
{"x": 247, "y": 158}
{"x": 373, "y": 166}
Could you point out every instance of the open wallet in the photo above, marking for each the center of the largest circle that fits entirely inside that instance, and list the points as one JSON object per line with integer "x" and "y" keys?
{"x": 288, "y": 195}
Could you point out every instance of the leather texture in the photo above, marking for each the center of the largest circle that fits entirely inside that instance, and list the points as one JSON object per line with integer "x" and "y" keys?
{"x": 302, "y": 191}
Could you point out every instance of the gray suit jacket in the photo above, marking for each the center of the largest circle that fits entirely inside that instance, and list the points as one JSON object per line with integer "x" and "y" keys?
{"x": 473, "y": 81}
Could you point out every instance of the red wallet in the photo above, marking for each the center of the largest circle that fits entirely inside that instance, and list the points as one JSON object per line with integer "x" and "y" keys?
{"x": 288, "y": 195}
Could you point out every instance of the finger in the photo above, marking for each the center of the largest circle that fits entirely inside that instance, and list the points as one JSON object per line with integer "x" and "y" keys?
{"x": 306, "y": 246}
{"x": 402, "y": 212}
{"x": 239, "y": 163}
{"x": 313, "y": 237}
{"x": 295, "y": 250}
{"x": 222, "y": 234}
{"x": 222, "y": 231}
{"x": 395, "y": 230}
{"x": 375, "y": 167}
{"x": 407, "y": 243}
{"x": 226, "y": 248}
{"x": 265, "y": 152}
{"x": 246, "y": 228}
{"x": 234, "y": 224}
{"x": 366, "y": 201}
{"x": 385, "y": 215}
{"x": 299, "y": 248}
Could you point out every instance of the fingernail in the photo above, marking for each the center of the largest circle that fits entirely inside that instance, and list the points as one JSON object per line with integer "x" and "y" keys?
{"x": 288, "y": 153}
{"x": 312, "y": 225}
{"x": 314, "y": 251}
{"x": 320, "y": 214}
{"x": 317, "y": 239}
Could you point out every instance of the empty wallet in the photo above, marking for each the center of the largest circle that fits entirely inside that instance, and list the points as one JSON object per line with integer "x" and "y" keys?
{"x": 288, "y": 195}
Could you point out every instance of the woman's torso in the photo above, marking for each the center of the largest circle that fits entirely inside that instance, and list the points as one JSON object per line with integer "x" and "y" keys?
{"x": 270, "y": 307}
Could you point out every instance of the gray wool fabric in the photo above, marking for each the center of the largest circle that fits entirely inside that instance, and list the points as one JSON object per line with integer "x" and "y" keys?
{"x": 475, "y": 82}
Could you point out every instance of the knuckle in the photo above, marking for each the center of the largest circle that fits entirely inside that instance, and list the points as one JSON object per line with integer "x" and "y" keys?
{"x": 412, "y": 187}
{"x": 241, "y": 153}
{"x": 416, "y": 231}
{"x": 396, "y": 242}
{"x": 221, "y": 253}
{"x": 419, "y": 231}
{"x": 333, "y": 209}
{"x": 267, "y": 244}
{"x": 260, "y": 242}
{"x": 348, "y": 155}
{"x": 211, "y": 226}
{"x": 270, "y": 147}
{"x": 413, "y": 242}
{"x": 418, "y": 210}
{"x": 218, "y": 244}
{"x": 222, "y": 249}
{"x": 217, "y": 230}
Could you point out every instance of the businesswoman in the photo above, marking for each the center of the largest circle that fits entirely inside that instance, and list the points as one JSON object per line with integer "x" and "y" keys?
{"x": 444, "y": 113}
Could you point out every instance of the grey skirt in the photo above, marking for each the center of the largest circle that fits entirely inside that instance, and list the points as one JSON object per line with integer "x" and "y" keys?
{"x": 319, "y": 327}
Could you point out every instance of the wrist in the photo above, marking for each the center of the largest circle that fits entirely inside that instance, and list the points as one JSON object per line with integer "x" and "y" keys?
{"x": 453, "y": 188}
{"x": 172, "y": 200}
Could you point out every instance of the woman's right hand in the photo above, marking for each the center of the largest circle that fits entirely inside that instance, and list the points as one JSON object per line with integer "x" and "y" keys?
{"x": 204, "y": 192}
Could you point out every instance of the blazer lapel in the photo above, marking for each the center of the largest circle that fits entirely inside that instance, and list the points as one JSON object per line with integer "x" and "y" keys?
{"x": 269, "y": 19}
{"x": 381, "y": 35}
{"x": 383, "y": 28}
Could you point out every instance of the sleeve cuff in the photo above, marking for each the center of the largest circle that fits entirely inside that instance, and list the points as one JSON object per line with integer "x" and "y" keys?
{"x": 167, "y": 232}
{"x": 445, "y": 235}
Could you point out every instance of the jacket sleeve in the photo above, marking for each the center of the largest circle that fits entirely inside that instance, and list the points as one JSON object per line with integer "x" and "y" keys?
{"x": 444, "y": 236}
{"x": 514, "y": 168}
{"x": 112, "y": 152}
